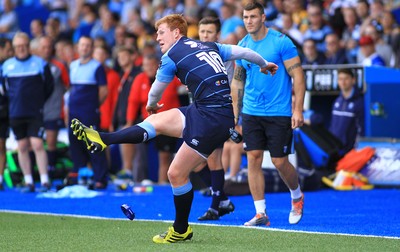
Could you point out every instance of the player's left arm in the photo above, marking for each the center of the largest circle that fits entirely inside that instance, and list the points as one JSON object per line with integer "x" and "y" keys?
{"x": 294, "y": 69}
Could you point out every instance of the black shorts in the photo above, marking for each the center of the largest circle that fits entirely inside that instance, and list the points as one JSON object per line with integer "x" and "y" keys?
{"x": 27, "y": 127}
{"x": 273, "y": 133}
{"x": 4, "y": 128}
{"x": 54, "y": 124}
{"x": 166, "y": 143}
{"x": 206, "y": 128}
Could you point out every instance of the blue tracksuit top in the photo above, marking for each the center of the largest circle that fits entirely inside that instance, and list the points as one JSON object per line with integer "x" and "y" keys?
{"x": 348, "y": 119}
{"x": 28, "y": 83}
{"x": 84, "y": 88}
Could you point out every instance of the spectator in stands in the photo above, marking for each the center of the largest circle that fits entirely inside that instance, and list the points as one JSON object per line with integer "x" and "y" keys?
{"x": 367, "y": 50}
{"x": 147, "y": 11}
{"x": 390, "y": 27}
{"x": 391, "y": 35}
{"x": 37, "y": 29}
{"x": 29, "y": 84}
{"x": 173, "y": 7}
{"x": 105, "y": 27}
{"x": 138, "y": 95}
{"x": 8, "y": 19}
{"x": 299, "y": 14}
{"x": 53, "y": 30}
{"x": 88, "y": 91}
{"x": 231, "y": 24}
{"x": 362, "y": 10}
{"x": 347, "y": 121}
{"x": 290, "y": 29}
{"x": 65, "y": 52}
{"x": 102, "y": 55}
{"x": 350, "y": 34}
{"x": 192, "y": 15}
{"x": 85, "y": 22}
{"x": 381, "y": 47}
{"x": 311, "y": 56}
{"x": 119, "y": 36}
{"x": 127, "y": 8}
{"x": 317, "y": 29}
{"x": 6, "y": 52}
{"x": 53, "y": 108}
{"x": 274, "y": 10}
{"x": 99, "y": 42}
{"x": 334, "y": 54}
{"x": 126, "y": 57}
{"x": 141, "y": 32}
{"x": 58, "y": 9}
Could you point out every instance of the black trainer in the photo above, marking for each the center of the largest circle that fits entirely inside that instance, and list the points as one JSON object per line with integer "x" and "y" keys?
{"x": 209, "y": 215}
{"x": 226, "y": 209}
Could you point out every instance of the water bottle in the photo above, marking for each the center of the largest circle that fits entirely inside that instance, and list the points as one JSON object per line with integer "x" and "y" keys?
{"x": 128, "y": 211}
{"x": 235, "y": 136}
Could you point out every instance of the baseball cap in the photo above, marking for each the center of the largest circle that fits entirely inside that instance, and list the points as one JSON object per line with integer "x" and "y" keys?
{"x": 366, "y": 40}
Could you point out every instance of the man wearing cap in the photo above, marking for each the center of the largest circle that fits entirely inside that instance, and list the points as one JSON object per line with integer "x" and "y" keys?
{"x": 367, "y": 47}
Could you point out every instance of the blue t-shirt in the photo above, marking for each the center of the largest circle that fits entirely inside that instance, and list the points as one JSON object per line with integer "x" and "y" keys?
{"x": 199, "y": 66}
{"x": 267, "y": 95}
{"x": 84, "y": 89}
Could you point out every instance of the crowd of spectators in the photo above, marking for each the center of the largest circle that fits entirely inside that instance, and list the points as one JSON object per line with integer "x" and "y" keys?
{"x": 301, "y": 20}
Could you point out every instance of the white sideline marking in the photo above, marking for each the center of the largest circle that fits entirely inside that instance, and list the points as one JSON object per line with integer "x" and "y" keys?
{"x": 203, "y": 224}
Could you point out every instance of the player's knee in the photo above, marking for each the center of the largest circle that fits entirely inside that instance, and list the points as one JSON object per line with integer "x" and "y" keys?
{"x": 279, "y": 163}
{"x": 173, "y": 176}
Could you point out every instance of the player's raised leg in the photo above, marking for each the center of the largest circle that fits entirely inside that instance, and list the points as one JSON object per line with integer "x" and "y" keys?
{"x": 170, "y": 123}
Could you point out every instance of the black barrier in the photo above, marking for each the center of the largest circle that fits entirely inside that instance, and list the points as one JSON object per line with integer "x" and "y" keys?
{"x": 323, "y": 78}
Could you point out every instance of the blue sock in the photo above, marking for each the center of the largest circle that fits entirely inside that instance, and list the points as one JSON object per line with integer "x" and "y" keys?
{"x": 138, "y": 133}
{"x": 183, "y": 197}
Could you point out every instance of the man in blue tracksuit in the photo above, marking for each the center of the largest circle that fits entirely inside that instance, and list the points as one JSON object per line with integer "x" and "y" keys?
{"x": 28, "y": 83}
{"x": 347, "y": 120}
{"x": 88, "y": 90}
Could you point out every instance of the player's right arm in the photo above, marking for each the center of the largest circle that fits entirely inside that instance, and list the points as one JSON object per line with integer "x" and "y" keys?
{"x": 237, "y": 91}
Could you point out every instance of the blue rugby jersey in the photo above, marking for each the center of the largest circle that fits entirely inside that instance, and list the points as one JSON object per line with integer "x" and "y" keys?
{"x": 28, "y": 84}
{"x": 84, "y": 88}
{"x": 268, "y": 95}
{"x": 199, "y": 66}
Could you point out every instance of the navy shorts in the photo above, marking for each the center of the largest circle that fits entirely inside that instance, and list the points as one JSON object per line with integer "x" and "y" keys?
{"x": 273, "y": 133}
{"x": 206, "y": 128}
{"x": 27, "y": 127}
{"x": 166, "y": 143}
{"x": 54, "y": 124}
{"x": 4, "y": 128}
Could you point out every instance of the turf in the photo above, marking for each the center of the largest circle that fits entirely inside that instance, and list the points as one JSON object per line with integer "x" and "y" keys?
{"x": 25, "y": 232}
